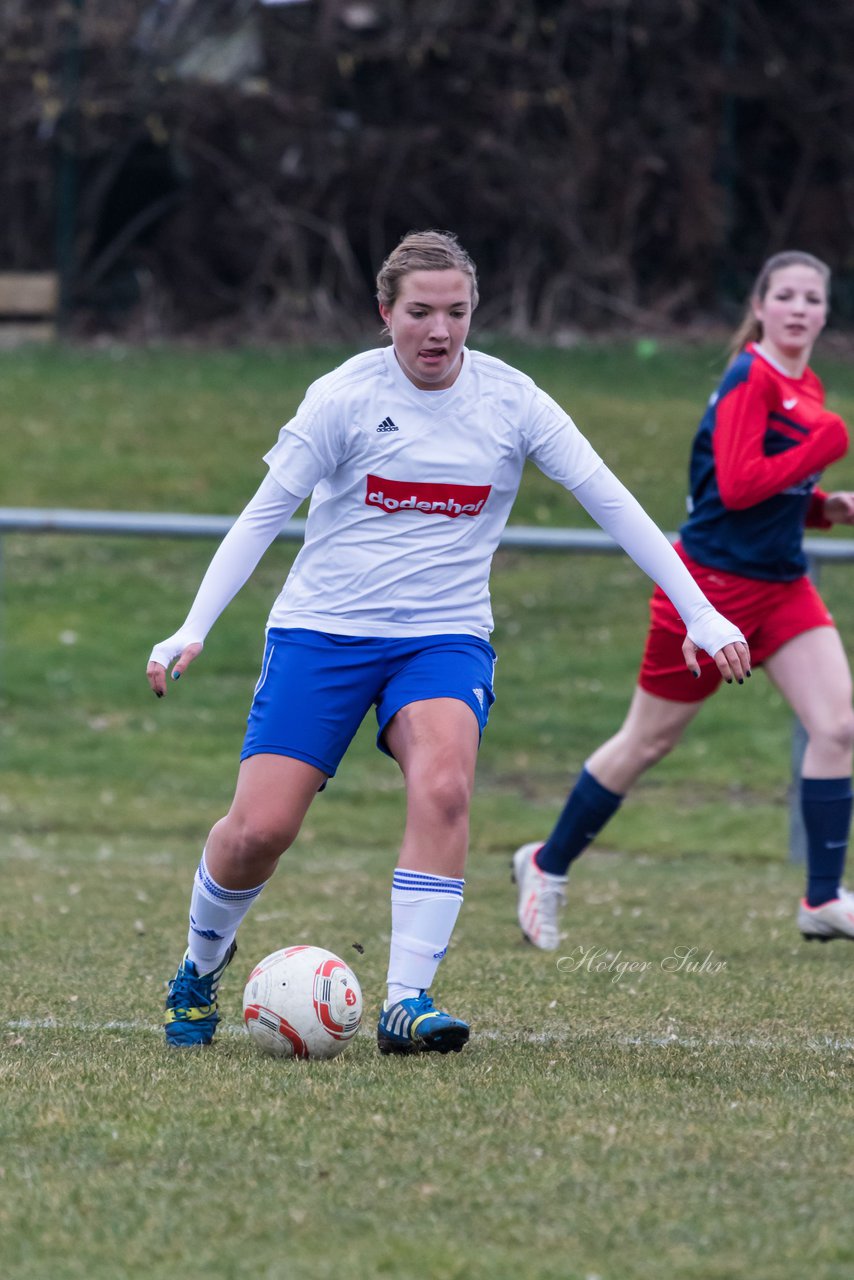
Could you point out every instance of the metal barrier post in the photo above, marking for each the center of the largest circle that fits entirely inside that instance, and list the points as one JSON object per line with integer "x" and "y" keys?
{"x": 797, "y": 830}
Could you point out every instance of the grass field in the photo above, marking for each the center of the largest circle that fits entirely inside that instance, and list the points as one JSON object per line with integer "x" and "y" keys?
{"x": 667, "y": 1096}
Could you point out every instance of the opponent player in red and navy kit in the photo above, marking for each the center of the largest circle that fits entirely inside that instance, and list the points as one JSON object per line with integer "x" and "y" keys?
{"x": 412, "y": 455}
{"x": 760, "y": 448}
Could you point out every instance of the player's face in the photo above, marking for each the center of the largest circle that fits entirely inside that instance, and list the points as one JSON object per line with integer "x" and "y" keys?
{"x": 792, "y": 312}
{"x": 429, "y": 322}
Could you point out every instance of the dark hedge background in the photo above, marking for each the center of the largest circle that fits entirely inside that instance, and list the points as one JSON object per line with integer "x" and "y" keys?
{"x": 238, "y": 171}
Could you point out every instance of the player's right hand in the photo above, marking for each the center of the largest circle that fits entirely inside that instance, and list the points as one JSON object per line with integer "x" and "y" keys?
{"x": 162, "y": 656}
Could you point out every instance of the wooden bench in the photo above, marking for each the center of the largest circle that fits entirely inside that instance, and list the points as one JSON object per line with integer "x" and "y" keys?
{"x": 29, "y": 301}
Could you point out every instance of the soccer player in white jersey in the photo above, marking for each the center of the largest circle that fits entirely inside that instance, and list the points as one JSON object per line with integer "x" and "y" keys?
{"x": 412, "y": 454}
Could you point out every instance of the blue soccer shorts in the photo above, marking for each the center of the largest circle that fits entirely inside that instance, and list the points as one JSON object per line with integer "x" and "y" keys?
{"x": 315, "y": 689}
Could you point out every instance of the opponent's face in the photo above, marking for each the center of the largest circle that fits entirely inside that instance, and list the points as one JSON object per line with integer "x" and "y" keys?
{"x": 429, "y": 322}
{"x": 793, "y": 311}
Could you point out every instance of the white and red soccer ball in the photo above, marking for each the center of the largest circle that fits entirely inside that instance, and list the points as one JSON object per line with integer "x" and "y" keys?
{"x": 302, "y": 1002}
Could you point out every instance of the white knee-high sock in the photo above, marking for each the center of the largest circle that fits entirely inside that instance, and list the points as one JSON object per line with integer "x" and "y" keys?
{"x": 215, "y": 914}
{"x": 424, "y": 910}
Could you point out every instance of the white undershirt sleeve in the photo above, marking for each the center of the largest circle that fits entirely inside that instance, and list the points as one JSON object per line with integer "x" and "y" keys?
{"x": 611, "y": 505}
{"x": 233, "y": 562}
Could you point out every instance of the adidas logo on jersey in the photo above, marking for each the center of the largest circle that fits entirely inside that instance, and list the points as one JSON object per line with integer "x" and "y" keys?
{"x": 387, "y": 425}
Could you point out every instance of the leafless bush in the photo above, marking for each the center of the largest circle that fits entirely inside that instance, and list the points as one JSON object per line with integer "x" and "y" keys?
{"x": 223, "y": 166}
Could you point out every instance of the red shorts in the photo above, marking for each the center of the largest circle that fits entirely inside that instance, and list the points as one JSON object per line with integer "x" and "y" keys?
{"x": 768, "y": 613}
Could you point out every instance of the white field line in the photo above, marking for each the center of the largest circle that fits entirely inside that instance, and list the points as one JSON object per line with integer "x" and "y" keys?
{"x": 814, "y": 1044}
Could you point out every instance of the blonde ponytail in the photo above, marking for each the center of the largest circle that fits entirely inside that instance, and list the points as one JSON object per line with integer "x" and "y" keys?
{"x": 750, "y": 329}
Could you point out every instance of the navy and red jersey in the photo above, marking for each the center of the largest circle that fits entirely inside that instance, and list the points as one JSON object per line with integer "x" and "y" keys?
{"x": 760, "y": 448}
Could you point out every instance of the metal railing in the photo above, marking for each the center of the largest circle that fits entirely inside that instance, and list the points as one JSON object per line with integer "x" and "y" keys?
{"x": 150, "y": 524}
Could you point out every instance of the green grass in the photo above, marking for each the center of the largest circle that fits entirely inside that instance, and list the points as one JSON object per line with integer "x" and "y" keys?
{"x": 611, "y": 1117}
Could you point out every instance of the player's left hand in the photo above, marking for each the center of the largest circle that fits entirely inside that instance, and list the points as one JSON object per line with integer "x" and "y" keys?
{"x": 733, "y": 660}
{"x": 839, "y": 508}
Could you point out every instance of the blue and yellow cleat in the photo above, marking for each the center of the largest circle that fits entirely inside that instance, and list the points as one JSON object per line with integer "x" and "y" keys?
{"x": 191, "y": 1015}
{"x": 416, "y": 1026}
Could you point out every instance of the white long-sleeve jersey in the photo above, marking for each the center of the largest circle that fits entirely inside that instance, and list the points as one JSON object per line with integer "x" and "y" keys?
{"x": 411, "y": 491}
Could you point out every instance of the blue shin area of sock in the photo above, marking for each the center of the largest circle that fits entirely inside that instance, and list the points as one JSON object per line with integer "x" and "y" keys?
{"x": 588, "y": 808}
{"x": 826, "y": 808}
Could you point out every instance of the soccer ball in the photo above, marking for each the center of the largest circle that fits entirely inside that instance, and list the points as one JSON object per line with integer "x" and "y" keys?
{"x": 302, "y": 1002}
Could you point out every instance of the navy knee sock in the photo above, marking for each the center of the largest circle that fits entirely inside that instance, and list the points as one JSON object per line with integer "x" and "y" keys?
{"x": 826, "y": 806}
{"x": 588, "y": 808}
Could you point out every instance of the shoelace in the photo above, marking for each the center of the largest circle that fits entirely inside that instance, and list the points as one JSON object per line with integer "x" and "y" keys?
{"x": 192, "y": 990}
{"x": 425, "y": 1005}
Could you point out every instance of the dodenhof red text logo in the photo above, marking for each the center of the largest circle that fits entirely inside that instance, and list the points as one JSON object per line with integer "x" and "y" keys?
{"x": 432, "y": 499}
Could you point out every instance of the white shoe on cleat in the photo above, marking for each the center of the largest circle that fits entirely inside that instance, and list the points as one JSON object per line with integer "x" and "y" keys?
{"x": 834, "y": 919}
{"x": 541, "y": 897}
